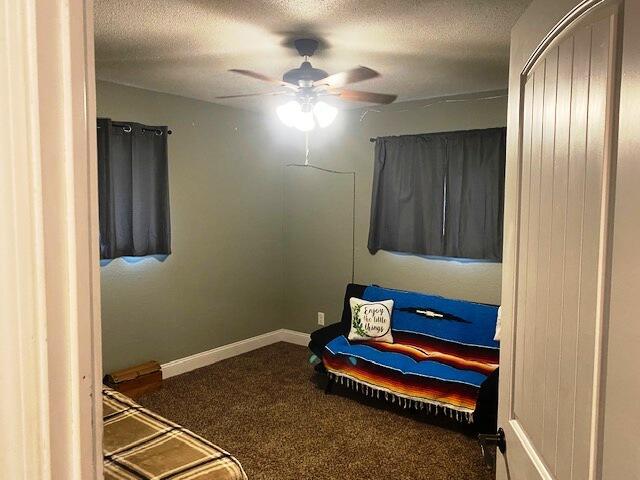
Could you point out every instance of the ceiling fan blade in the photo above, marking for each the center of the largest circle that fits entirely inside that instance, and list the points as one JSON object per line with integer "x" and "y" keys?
{"x": 254, "y": 95}
{"x": 358, "y": 96}
{"x": 350, "y": 76}
{"x": 264, "y": 78}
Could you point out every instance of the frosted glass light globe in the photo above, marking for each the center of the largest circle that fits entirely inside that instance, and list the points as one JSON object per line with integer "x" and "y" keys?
{"x": 289, "y": 113}
{"x": 325, "y": 113}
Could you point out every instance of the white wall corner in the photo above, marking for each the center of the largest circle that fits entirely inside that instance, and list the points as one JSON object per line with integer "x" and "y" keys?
{"x": 209, "y": 357}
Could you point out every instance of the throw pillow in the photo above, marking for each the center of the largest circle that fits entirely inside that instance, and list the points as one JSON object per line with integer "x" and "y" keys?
{"x": 498, "y": 325}
{"x": 371, "y": 320}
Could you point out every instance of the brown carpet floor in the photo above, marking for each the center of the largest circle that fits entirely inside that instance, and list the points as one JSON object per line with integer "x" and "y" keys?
{"x": 269, "y": 410}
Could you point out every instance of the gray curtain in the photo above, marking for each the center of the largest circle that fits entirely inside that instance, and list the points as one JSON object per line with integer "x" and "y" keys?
{"x": 408, "y": 192}
{"x": 133, "y": 187}
{"x": 439, "y": 194}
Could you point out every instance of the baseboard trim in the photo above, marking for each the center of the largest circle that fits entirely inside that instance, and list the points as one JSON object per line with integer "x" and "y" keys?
{"x": 292, "y": 336}
{"x": 202, "y": 359}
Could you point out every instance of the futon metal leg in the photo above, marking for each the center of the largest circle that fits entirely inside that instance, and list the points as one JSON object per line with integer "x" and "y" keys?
{"x": 329, "y": 386}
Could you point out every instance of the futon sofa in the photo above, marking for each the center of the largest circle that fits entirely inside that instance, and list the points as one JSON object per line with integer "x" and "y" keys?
{"x": 443, "y": 359}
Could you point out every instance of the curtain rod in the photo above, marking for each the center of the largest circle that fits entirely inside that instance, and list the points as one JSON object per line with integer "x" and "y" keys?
{"x": 374, "y": 139}
{"x": 124, "y": 126}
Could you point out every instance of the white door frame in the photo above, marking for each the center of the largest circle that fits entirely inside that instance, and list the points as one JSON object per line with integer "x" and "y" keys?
{"x": 619, "y": 415}
{"x": 50, "y": 408}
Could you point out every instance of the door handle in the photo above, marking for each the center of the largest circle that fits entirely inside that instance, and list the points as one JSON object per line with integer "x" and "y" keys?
{"x": 492, "y": 440}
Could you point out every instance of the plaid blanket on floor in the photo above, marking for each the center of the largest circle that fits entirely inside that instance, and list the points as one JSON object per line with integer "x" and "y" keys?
{"x": 139, "y": 444}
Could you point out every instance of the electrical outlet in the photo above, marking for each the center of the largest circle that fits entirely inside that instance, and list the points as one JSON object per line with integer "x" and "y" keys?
{"x": 320, "y": 318}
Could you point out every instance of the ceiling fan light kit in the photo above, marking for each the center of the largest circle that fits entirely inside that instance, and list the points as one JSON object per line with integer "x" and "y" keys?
{"x": 309, "y": 85}
{"x": 305, "y": 117}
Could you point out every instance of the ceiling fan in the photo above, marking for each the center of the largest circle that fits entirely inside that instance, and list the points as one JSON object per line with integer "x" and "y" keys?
{"x": 309, "y": 85}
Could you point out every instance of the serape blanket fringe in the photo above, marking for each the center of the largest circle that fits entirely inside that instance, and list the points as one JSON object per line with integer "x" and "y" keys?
{"x": 406, "y": 402}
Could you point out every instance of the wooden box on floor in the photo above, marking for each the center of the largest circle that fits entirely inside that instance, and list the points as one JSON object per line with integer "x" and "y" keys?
{"x": 136, "y": 381}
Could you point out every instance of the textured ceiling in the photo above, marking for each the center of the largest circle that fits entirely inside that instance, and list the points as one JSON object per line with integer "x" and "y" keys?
{"x": 423, "y": 49}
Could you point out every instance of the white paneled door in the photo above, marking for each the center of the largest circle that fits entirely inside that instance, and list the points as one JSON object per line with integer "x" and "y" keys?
{"x": 563, "y": 116}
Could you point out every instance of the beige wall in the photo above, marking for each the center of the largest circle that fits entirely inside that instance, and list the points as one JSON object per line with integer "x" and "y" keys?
{"x": 318, "y": 209}
{"x": 224, "y": 280}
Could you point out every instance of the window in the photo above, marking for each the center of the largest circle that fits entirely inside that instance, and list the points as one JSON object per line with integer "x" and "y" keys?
{"x": 439, "y": 194}
{"x": 133, "y": 189}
